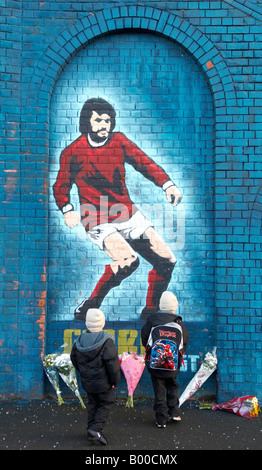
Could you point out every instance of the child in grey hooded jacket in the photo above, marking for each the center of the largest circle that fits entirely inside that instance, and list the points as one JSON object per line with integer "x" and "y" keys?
{"x": 95, "y": 356}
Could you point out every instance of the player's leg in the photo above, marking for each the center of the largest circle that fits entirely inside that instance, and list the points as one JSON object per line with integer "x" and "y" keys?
{"x": 124, "y": 263}
{"x": 153, "y": 248}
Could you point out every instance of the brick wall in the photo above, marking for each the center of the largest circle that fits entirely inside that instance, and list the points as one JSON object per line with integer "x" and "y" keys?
{"x": 212, "y": 49}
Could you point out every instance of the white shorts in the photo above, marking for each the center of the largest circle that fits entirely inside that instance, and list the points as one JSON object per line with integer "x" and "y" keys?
{"x": 130, "y": 229}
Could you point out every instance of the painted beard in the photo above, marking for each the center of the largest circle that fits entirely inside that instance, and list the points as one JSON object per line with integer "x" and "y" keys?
{"x": 96, "y": 138}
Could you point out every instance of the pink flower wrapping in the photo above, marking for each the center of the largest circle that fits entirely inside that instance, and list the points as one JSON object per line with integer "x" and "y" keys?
{"x": 132, "y": 366}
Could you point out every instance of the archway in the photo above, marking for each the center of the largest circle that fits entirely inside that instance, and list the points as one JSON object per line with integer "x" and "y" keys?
{"x": 87, "y": 29}
{"x": 164, "y": 105}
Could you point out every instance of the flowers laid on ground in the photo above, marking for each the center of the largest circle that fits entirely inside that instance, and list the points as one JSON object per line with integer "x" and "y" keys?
{"x": 52, "y": 374}
{"x": 132, "y": 366}
{"x": 247, "y": 406}
{"x": 207, "y": 368}
{"x": 68, "y": 374}
{"x": 60, "y": 364}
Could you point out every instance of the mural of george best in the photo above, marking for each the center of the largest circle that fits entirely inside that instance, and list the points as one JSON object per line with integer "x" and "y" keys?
{"x": 95, "y": 162}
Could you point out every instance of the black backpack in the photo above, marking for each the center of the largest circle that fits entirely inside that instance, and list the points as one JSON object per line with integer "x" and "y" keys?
{"x": 165, "y": 347}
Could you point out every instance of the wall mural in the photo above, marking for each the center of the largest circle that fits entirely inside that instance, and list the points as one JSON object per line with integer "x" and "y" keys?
{"x": 95, "y": 162}
{"x": 130, "y": 182}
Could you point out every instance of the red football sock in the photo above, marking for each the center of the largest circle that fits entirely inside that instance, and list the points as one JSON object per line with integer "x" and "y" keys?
{"x": 104, "y": 284}
{"x": 155, "y": 289}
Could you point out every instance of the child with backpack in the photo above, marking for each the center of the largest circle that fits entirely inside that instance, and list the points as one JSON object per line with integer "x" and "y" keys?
{"x": 165, "y": 339}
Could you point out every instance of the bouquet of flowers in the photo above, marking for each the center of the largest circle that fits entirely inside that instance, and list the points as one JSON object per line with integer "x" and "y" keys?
{"x": 247, "y": 407}
{"x": 52, "y": 374}
{"x": 132, "y": 366}
{"x": 68, "y": 374}
{"x": 207, "y": 368}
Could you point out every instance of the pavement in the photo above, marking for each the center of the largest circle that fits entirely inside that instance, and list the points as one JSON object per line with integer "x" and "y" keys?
{"x": 45, "y": 426}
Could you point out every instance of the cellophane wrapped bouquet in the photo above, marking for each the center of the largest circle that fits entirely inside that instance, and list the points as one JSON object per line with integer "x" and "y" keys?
{"x": 247, "y": 406}
{"x": 207, "y": 368}
{"x": 68, "y": 374}
{"x": 52, "y": 374}
{"x": 132, "y": 366}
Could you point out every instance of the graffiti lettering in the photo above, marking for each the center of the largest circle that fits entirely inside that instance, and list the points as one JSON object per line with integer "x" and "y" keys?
{"x": 127, "y": 340}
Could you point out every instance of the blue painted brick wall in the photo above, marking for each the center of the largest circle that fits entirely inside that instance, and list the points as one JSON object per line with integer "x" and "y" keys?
{"x": 214, "y": 48}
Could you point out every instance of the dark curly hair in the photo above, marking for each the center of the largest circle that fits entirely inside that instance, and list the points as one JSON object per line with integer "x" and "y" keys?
{"x": 98, "y": 105}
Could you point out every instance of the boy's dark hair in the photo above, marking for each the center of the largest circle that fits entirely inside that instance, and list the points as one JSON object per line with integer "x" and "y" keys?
{"x": 98, "y": 105}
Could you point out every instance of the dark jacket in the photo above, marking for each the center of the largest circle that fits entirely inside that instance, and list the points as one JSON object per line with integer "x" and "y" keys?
{"x": 161, "y": 318}
{"x": 95, "y": 356}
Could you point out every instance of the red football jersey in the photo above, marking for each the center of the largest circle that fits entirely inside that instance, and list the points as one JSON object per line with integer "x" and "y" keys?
{"x": 99, "y": 174}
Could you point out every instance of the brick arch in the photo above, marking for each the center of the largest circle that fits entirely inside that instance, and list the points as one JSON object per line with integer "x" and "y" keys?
{"x": 255, "y": 220}
{"x": 249, "y": 8}
{"x": 46, "y": 73}
{"x": 145, "y": 19}
{"x": 79, "y": 35}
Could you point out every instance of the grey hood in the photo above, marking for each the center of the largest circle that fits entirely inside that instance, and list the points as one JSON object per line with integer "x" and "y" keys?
{"x": 89, "y": 341}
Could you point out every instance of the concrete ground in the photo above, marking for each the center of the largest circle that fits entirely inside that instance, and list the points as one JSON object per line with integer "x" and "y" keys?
{"x": 47, "y": 426}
